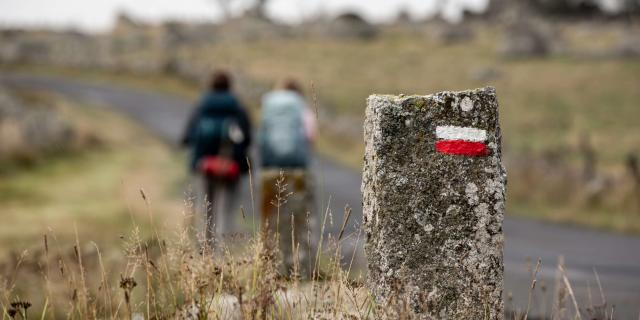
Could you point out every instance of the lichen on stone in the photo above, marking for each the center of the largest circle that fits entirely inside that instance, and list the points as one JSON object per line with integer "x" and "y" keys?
{"x": 433, "y": 221}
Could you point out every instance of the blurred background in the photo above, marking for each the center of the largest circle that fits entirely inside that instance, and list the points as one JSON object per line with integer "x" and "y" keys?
{"x": 567, "y": 73}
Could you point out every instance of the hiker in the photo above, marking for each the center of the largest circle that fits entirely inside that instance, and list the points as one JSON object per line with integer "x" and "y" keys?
{"x": 287, "y": 135}
{"x": 219, "y": 135}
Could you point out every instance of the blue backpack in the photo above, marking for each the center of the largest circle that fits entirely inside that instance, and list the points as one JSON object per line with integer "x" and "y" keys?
{"x": 282, "y": 141}
{"x": 220, "y": 136}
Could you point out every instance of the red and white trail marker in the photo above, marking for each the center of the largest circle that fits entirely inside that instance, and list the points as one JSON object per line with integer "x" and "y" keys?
{"x": 461, "y": 141}
{"x": 433, "y": 202}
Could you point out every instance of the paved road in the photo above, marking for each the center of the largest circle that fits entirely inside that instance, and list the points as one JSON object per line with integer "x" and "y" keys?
{"x": 616, "y": 258}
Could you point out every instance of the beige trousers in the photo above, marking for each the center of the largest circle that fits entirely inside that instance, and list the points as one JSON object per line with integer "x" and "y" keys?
{"x": 287, "y": 216}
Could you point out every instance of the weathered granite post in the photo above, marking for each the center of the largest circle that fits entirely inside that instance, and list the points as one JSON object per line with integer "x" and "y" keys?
{"x": 434, "y": 189}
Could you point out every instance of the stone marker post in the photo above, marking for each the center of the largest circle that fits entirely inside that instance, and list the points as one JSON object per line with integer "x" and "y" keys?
{"x": 434, "y": 189}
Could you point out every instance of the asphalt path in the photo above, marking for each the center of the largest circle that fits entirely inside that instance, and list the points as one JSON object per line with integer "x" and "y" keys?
{"x": 613, "y": 257}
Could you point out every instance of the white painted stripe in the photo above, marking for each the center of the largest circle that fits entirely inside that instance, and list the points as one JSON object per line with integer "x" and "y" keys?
{"x": 461, "y": 133}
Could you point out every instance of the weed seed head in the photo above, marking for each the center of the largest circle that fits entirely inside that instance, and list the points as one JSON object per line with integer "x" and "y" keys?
{"x": 24, "y": 305}
{"x": 128, "y": 283}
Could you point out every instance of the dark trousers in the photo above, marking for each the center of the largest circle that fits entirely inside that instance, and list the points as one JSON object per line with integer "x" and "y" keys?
{"x": 220, "y": 209}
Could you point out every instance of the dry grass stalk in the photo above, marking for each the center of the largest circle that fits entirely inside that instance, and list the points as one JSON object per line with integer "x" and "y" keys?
{"x": 186, "y": 278}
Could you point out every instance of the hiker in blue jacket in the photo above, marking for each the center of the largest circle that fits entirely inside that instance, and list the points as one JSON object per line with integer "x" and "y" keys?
{"x": 219, "y": 135}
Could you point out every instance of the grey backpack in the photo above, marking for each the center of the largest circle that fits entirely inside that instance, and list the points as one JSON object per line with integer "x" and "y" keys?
{"x": 282, "y": 141}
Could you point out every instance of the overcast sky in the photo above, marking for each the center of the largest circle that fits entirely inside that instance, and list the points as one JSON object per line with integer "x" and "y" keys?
{"x": 97, "y": 15}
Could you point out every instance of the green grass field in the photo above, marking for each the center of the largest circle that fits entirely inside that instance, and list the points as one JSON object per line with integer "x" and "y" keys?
{"x": 96, "y": 188}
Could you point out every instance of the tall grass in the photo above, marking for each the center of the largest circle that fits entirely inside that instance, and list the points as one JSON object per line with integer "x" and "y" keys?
{"x": 178, "y": 274}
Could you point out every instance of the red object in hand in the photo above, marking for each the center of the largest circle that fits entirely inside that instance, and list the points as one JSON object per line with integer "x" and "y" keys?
{"x": 218, "y": 167}
{"x": 462, "y": 148}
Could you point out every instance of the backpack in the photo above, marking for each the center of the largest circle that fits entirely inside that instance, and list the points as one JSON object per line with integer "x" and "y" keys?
{"x": 283, "y": 142}
{"x": 217, "y": 142}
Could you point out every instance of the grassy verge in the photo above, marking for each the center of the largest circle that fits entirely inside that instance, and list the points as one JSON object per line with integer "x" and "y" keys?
{"x": 96, "y": 188}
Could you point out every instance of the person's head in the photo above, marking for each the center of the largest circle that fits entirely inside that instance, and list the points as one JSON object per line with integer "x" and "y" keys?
{"x": 220, "y": 81}
{"x": 290, "y": 84}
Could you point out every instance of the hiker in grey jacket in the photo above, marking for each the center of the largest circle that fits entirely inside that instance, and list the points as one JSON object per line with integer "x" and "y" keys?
{"x": 288, "y": 128}
{"x": 287, "y": 135}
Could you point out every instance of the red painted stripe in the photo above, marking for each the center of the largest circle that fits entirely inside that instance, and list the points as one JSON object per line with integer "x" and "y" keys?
{"x": 462, "y": 148}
